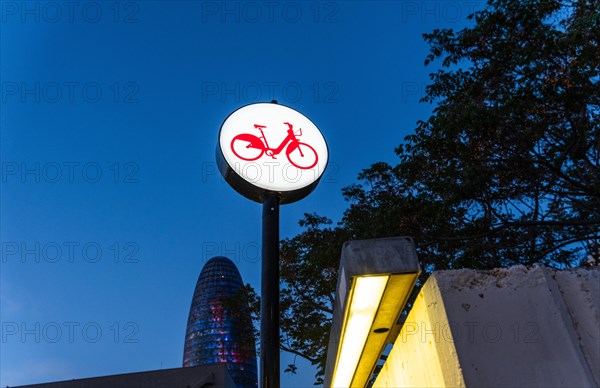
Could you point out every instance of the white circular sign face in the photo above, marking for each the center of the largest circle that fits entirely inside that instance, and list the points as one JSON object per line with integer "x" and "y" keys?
{"x": 273, "y": 147}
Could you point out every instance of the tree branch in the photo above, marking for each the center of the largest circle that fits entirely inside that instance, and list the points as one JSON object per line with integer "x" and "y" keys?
{"x": 290, "y": 350}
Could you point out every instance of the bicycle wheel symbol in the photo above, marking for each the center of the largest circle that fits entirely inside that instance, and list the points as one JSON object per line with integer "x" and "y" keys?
{"x": 302, "y": 155}
{"x": 247, "y": 147}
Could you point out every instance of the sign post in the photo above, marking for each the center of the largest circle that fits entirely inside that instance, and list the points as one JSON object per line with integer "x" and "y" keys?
{"x": 269, "y": 308}
{"x": 283, "y": 172}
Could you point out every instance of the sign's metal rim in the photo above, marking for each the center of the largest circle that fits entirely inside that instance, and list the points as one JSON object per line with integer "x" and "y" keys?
{"x": 256, "y": 193}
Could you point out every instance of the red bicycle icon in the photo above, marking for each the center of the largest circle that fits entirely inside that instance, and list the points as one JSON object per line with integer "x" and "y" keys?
{"x": 249, "y": 147}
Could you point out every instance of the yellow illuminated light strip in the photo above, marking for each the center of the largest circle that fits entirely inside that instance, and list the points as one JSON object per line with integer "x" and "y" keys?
{"x": 366, "y": 296}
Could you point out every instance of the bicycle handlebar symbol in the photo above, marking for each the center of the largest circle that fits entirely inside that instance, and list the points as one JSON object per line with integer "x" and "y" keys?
{"x": 250, "y": 147}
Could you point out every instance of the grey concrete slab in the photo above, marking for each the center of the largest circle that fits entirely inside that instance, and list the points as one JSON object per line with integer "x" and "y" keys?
{"x": 510, "y": 327}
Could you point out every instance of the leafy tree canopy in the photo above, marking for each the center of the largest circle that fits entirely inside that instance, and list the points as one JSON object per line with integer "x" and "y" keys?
{"x": 505, "y": 170}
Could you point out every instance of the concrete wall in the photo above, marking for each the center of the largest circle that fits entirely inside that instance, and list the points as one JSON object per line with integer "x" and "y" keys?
{"x": 419, "y": 357}
{"x": 533, "y": 327}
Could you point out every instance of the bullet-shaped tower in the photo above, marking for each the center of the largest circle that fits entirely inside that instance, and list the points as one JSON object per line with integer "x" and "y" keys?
{"x": 217, "y": 331}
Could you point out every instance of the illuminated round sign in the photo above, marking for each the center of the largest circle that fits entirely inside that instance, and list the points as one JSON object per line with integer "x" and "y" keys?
{"x": 267, "y": 147}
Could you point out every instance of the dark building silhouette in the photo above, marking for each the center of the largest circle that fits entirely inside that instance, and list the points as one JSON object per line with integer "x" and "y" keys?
{"x": 216, "y": 331}
{"x": 216, "y": 376}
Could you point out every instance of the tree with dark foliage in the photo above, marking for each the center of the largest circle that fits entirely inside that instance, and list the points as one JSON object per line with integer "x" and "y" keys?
{"x": 505, "y": 171}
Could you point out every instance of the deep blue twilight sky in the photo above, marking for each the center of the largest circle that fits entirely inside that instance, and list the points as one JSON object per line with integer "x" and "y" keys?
{"x": 110, "y": 198}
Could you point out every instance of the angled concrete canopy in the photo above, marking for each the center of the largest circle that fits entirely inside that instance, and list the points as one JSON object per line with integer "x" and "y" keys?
{"x": 394, "y": 257}
{"x": 508, "y": 327}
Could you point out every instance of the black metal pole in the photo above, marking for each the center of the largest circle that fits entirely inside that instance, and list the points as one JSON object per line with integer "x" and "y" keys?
{"x": 269, "y": 306}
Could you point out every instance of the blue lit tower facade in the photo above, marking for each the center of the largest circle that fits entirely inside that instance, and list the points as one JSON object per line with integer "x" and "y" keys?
{"x": 215, "y": 333}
